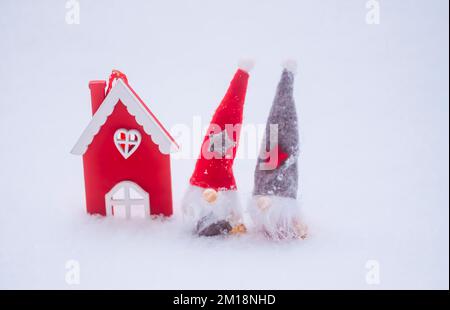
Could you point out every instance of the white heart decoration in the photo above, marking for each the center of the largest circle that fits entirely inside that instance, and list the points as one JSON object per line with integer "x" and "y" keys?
{"x": 127, "y": 141}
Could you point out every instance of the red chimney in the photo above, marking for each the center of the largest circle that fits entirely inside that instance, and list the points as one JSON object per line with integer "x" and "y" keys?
{"x": 97, "y": 94}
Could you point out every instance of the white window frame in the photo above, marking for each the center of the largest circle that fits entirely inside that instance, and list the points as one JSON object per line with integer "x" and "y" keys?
{"x": 127, "y": 201}
{"x": 127, "y": 142}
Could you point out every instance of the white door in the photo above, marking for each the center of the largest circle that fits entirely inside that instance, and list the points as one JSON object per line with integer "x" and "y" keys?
{"x": 127, "y": 200}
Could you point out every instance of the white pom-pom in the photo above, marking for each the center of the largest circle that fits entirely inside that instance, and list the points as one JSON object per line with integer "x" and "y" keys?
{"x": 246, "y": 64}
{"x": 290, "y": 65}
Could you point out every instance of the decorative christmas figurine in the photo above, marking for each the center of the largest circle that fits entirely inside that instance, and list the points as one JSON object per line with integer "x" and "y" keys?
{"x": 274, "y": 208}
{"x": 212, "y": 199}
{"x": 125, "y": 154}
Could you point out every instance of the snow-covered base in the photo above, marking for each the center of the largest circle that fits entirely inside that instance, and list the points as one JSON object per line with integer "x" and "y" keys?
{"x": 227, "y": 207}
{"x": 277, "y": 217}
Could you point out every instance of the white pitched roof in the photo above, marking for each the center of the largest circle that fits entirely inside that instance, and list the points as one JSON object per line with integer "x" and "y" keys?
{"x": 136, "y": 107}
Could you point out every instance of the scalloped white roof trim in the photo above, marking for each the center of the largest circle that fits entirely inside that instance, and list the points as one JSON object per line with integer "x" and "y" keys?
{"x": 122, "y": 92}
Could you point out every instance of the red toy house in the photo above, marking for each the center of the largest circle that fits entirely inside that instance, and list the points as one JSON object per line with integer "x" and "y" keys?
{"x": 125, "y": 154}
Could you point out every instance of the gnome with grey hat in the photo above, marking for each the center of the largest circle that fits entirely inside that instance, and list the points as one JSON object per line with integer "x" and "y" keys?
{"x": 274, "y": 208}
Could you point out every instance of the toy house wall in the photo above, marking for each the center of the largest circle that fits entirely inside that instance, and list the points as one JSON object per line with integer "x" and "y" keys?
{"x": 104, "y": 166}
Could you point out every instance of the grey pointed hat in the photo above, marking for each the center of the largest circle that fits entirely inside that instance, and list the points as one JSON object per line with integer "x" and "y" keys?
{"x": 276, "y": 171}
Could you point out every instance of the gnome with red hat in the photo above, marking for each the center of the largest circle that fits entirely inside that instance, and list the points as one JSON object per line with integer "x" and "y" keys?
{"x": 212, "y": 199}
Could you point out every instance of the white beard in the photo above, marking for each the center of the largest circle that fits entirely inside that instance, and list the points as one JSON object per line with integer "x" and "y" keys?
{"x": 227, "y": 207}
{"x": 277, "y": 217}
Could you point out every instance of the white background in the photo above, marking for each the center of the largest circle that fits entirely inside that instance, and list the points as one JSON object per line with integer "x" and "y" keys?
{"x": 373, "y": 103}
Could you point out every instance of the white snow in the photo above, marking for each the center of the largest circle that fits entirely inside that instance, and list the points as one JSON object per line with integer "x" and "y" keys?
{"x": 373, "y": 108}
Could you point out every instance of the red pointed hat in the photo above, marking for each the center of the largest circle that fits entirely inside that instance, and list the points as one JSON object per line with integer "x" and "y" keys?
{"x": 214, "y": 167}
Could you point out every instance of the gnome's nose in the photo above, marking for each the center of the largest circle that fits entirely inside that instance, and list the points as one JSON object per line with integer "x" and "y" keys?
{"x": 210, "y": 195}
{"x": 263, "y": 203}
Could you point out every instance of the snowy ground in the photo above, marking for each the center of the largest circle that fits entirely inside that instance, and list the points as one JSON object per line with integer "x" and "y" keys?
{"x": 373, "y": 105}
